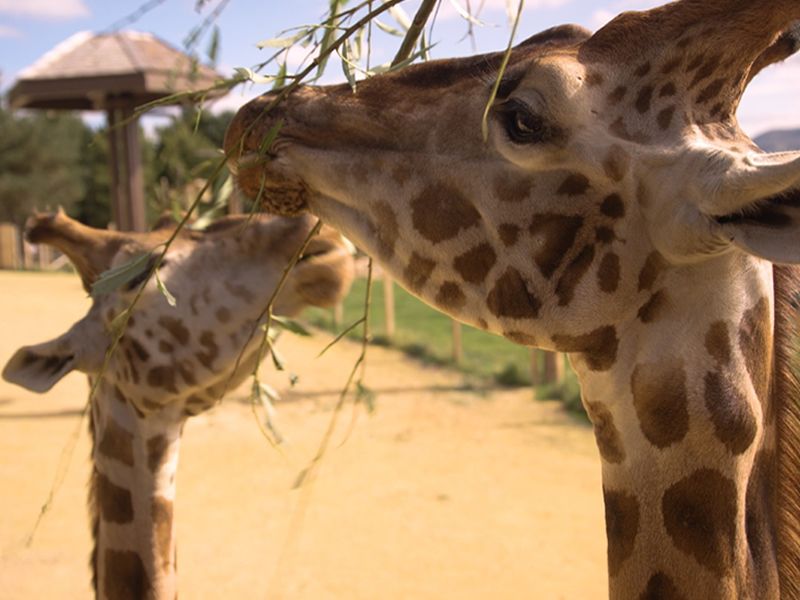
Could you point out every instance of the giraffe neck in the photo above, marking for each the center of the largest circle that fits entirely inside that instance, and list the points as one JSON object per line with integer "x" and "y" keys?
{"x": 133, "y": 490}
{"x": 686, "y": 435}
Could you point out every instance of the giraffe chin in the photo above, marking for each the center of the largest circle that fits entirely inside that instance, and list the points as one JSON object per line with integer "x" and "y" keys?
{"x": 285, "y": 201}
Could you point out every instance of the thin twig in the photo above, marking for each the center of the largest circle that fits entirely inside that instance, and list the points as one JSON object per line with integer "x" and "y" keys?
{"x": 413, "y": 33}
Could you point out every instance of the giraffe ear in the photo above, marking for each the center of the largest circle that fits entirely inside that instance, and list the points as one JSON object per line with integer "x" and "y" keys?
{"x": 38, "y": 368}
{"x": 768, "y": 229}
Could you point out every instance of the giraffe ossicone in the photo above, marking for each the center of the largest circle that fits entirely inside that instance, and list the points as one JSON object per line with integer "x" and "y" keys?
{"x": 617, "y": 213}
{"x": 171, "y": 363}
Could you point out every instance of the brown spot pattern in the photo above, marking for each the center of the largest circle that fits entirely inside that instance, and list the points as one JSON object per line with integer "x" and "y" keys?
{"x": 711, "y": 91}
{"x": 165, "y": 347}
{"x": 654, "y": 265}
{"x": 124, "y": 576}
{"x": 574, "y": 185}
{"x": 668, "y": 90}
{"x": 156, "y": 451}
{"x": 511, "y": 188}
{"x": 239, "y": 291}
{"x": 642, "y": 70}
{"x": 558, "y": 233}
{"x": 604, "y": 235}
{"x": 474, "y": 265}
{"x": 613, "y": 206}
{"x": 176, "y": 329}
{"x": 616, "y": 162}
{"x": 664, "y": 117}
{"x": 734, "y": 422}
{"x": 161, "y": 511}
{"x": 671, "y": 65}
{"x": 608, "y": 274}
{"x": 661, "y": 587}
{"x": 162, "y": 377}
{"x": 718, "y": 342}
{"x": 599, "y": 347}
{"x": 518, "y": 337}
{"x": 755, "y": 339}
{"x": 510, "y": 297}
{"x": 116, "y": 443}
{"x": 210, "y": 350}
{"x": 509, "y": 234}
{"x": 418, "y": 271}
{"x": 617, "y": 95}
{"x": 450, "y": 297}
{"x": 644, "y": 98}
{"x": 605, "y": 432}
{"x": 116, "y": 504}
{"x": 441, "y": 212}
{"x": 660, "y": 400}
{"x": 386, "y": 229}
{"x": 700, "y": 516}
{"x": 622, "y": 527}
{"x": 142, "y": 354}
{"x": 573, "y": 274}
{"x": 653, "y": 308}
{"x": 223, "y": 314}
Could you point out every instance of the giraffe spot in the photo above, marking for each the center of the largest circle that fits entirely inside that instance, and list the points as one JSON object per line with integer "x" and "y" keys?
{"x": 175, "y": 328}
{"x": 239, "y": 291}
{"x": 616, "y": 96}
{"x": 386, "y": 229}
{"x": 150, "y": 405}
{"x": 142, "y": 354}
{"x": 594, "y": 79}
{"x": 599, "y": 347}
{"x": 604, "y": 235}
{"x": 718, "y": 342}
{"x": 518, "y": 337}
{"x": 715, "y": 111}
{"x": 116, "y": 443}
{"x": 605, "y": 432}
{"x": 616, "y": 163}
{"x": 661, "y": 587}
{"x": 684, "y": 43}
{"x": 652, "y": 309}
{"x": 755, "y": 339}
{"x": 116, "y": 504}
{"x": 512, "y": 188}
{"x": 574, "y": 185}
{"x": 608, "y": 274}
{"x": 441, "y": 212}
{"x": 664, "y": 117}
{"x": 165, "y": 347}
{"x": 711, "y": 91}
{"x": 483, "y": 324}
{"x": 161, "y": 511}
{"x": 475, "y": 264}
{"x": 402, "y": 173}
{"x": 759, "y": 513}
{"x": 654, "y": 265}
{"x": 210, "y": 350}
{"x": 619, "y": 129}
{"x": 511, "y": 299}
{"x": 613, "y": 207}
{"x": 223, "y": 314}
{"x": 573, "y": 274}
{"x": 660, "y": 400}
{"x": 148, "y": 333}
{"x": 695, "y": 62}
{"x": 124, "y": 576}
{"x": 642, "y": 194}
{"x": 622, "y": 527}
{"x": 555, "y": 235}
{"x": 184, "y": 367}
{"x": 156, "y": 452}
{"x": 700, "y": 516}
{"x": 509, "y": 234}
{"x": 418, "y": 271}
{"x": 668, "y": 90}
{"x": 706, "y": 71}
{"x": 734, "y": 422}
{"x": 450, "y": 296}
{"x": 162, "y": 377}
{"x": 642, "y": 70}
{"x": 134, "y": 373}
{"x": 644, "y": 98}
{"x": 670, "y": 66}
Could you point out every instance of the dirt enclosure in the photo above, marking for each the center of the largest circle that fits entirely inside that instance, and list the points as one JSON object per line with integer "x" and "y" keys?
{"x": 440, "y": 494}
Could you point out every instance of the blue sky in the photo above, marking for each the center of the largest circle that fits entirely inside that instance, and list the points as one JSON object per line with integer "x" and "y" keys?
{"x": 29, "y": 28}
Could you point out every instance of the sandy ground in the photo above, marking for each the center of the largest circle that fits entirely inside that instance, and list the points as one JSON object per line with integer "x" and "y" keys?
{"x": 440, "y": 494}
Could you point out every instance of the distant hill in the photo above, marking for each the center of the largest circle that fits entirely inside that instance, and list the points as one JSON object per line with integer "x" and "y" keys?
{"x": 779, "y": 141}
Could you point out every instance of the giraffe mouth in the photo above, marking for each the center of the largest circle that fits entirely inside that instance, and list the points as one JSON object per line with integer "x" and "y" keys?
{"x": 261, "y": 179}
{"x": 774, "y": 212}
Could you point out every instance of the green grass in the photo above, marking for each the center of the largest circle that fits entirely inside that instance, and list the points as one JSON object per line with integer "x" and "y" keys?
{"x": 425, "y": 333}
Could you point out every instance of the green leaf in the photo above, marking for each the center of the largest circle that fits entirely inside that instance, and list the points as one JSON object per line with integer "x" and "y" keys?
{"x": 401, "y": 17}
{"x": 213, "y": 46}
{"x": 348, "y": 68}
{"x": 339, "y": 337}
{"x": 277, "y": 359}
{"x": 284, "y": 42}
{"x": 387, "y": 28}
{"x": 164, "y": 291}
{"x": 272, "y": 134}
{"x": 365, "y": 395}
{"x": 465, "y": 14}
{"x": 113, "y": 279}
{"x": 291, "y": 325}
{"x": 301, "y": 478}
{"x": 293, "y": 379}
{"x": 245, "y": 74}
{"x": 280, "y": 78}
{"x": 331, "y": 25}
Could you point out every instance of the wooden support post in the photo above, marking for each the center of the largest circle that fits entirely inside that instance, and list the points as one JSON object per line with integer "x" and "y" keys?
{"x": 536, "y": 377}
{"x": 9, "y": 246}
{"x": 458, "y": 349}
{"x": 553, "y": 367}
{"x": 338, "y": 315}
{"x": 125, "y": 157}
{"x": 388, "y": 304}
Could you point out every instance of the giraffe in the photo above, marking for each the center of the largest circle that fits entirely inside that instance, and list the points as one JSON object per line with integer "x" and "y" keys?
{"x": 616, "y": 212}
{"x": 171, "y": 363}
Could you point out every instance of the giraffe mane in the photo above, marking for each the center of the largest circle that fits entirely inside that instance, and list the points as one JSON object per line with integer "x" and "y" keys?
{"x": 785, "y": 395}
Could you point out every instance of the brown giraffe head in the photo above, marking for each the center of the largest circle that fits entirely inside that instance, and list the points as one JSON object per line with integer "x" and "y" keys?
{"x": 609, "y": 156}
{"x": 171, "y": 363}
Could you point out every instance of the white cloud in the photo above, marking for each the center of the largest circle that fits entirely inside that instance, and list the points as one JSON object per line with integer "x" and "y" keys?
{"x": 45, "y": 9}
{"x": 9, "y": 32}
{"x": 448, "y": 11}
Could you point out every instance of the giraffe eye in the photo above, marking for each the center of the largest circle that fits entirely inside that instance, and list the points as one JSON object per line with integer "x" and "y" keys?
{"x": 522, "y": 125}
